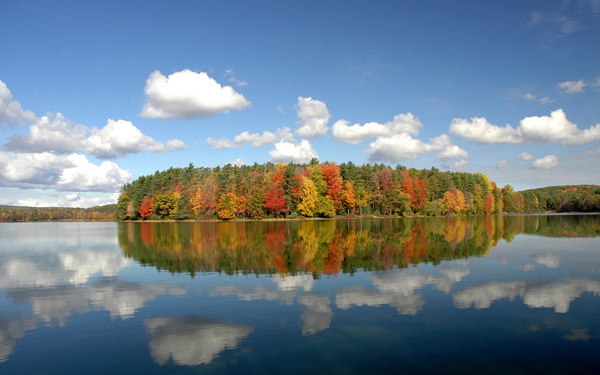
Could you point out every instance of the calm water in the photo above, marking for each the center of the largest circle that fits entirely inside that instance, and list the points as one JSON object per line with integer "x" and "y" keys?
{"x": 497, "y": 294}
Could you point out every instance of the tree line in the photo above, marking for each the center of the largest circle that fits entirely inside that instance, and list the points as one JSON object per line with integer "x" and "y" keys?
{"x": 19, "y": 214}
{"x": 327, "y": 189}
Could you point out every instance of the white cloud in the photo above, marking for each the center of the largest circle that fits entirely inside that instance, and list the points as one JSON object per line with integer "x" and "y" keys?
{"x": 501, "y": 164}
{"x": 257, "y": 140}
{"x": 10, "y": 110}
{"x": 119, "y": 138}
{"x": 404, "y": 147}
{"x": 232, "y": 79}
{"x": 554, "y": 128}
{"x": 452, "y": 152}
{"x": 54, "y": 133}
{"x": 572, "y": 87}
{"x": 529, "y": 96}
{"x": 30, "y": 169}
{"x": 402, "y": 123}
{"x": 525, "y": 156}
{"x": 458, "y": 164}
{"x": 238, "y": 162}
{"x": 176, "y": 145}
{"x": 49, "y": 133}
{"x": 547, "y": 162}
{"x": 65, "y": 173}
{"x": 291, "y": 152}
{"x": 187, "y": 94}
{"x": 314, "y": 117}
{"x": 545, "y": 100}
{"x": 478, "y": 129}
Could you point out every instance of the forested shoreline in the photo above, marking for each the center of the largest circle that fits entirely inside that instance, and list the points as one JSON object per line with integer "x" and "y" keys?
{"x": 327, "y": 190}
{"x": 315, "y": 190}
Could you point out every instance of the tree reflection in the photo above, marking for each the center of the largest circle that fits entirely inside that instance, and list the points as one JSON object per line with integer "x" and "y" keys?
{"x": 333, "y": 246}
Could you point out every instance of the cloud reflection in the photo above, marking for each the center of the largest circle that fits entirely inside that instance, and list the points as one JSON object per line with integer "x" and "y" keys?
{"x": 317, "y": 314}
{"x": 397, "y": 288}
{"x": 192, "y": 341}
{"x": 557, "y": 295}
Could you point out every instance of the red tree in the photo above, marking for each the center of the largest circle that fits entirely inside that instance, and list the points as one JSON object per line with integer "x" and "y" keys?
{"x": 333, "y": 178}
{"x": 419, "y": 197}
{"x": 275, "y": 200}
{"x": 146, "y": 208}
{"x": 407, "y": 188}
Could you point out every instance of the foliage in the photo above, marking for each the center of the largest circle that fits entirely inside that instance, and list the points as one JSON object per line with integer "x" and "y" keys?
{"x": 326, "y": 190}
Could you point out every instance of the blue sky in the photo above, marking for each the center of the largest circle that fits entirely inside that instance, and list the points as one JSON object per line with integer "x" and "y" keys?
{"x": 96, "y": 94}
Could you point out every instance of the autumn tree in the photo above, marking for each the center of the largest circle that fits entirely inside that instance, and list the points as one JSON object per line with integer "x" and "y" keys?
{"x": 208, "y": 198}
{"x": 309, "y": 203}
{"x": 146, "y": 208}
{"x": 349, "y": 196}
{"x": 333, "y": 179}
{"x": 228, "y": 206}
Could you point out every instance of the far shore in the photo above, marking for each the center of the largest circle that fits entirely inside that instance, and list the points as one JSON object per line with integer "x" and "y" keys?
{"x": 271, "y": 219}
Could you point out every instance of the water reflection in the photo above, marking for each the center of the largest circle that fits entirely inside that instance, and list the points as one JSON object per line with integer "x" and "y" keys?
{"x": 555, "y": 295}
{"x": 331, "y": 247}
{"x": 191, "y": 340}
{"x": 253, "y": 293}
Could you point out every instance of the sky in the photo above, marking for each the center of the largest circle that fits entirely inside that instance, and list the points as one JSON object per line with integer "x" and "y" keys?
{"x": 95, "y": 94}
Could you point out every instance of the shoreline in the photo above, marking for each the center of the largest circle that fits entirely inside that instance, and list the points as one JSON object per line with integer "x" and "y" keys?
{"x": 271, "y": 219}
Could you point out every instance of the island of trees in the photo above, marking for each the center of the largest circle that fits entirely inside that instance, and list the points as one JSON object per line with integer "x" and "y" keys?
{"x": 327, "y": 189}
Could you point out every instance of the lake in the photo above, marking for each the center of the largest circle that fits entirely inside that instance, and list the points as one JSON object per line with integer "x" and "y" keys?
{"x": 464, "y": 295}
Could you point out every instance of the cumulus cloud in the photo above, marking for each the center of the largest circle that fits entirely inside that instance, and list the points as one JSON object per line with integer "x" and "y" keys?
{"x": 49, "y": 133}
{"x": 402, "y": 123}
{"x": 10, "y": 110}
{"x": 55, "y": 133}
{"x": 572, "y": 87}
{"x": 529, "y": 96}
{"x": 452, "y": 152}
{"x": 187, "y": 94}
{"x": 478, "y": 129}
{"x": 404, "y": 147}
{"x": 458, "y": 164}
{"x": 501, "y": 164}
{"x": 525, "y": 156}
{"x": 238, "y": 162}
{"x": 257, "y": 140}
{"x": 176, "y": 145}
{"x": 65, "y": 173}
{"x": 119, "y": 138}
{"x": 547, "y": 162}
{"x": 314, "y": 117}
{"x": 554, "y": 128}
{"x": 292, "y": 152}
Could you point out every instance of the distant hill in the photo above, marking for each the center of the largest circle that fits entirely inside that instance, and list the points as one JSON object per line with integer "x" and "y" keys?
{"x": 565, "y": 198}
{"x": 23, "y": 213}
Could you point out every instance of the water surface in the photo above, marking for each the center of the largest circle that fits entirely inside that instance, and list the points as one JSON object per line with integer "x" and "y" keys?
{"x": 494, "y": 294}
